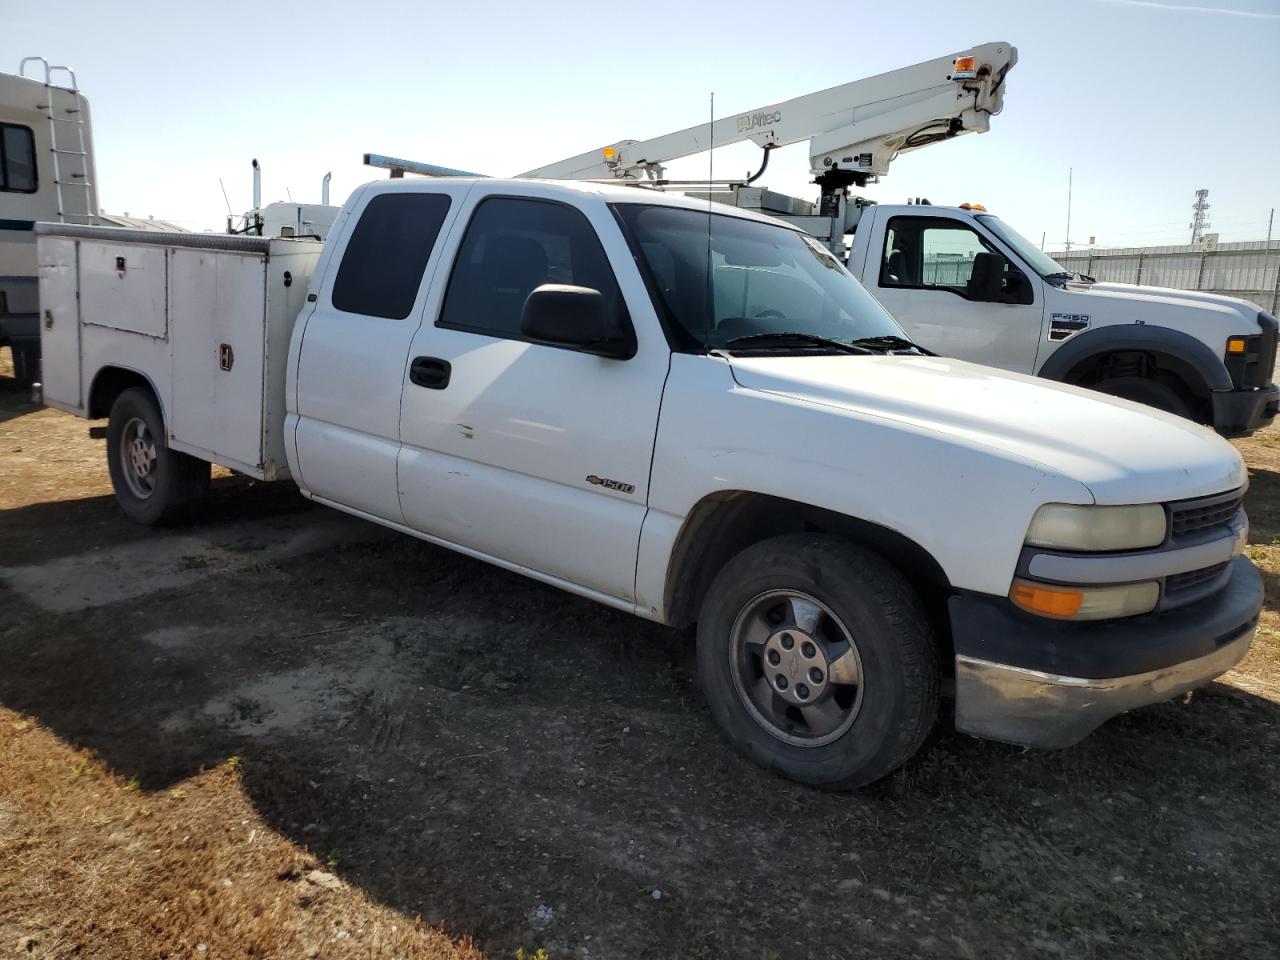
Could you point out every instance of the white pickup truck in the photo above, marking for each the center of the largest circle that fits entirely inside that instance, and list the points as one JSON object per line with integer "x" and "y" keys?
{"x": 691, "y": 413}
{"x": 965, "y": 284}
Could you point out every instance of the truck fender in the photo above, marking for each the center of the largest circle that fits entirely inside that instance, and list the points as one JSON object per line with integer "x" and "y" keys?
{"x": 1140, "y": 337}
{"x": 112, "y": 380}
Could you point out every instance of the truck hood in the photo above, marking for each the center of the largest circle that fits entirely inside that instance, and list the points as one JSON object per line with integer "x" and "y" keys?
{"x": 1167, "y": 306}
{"x": 1122, "y": 451}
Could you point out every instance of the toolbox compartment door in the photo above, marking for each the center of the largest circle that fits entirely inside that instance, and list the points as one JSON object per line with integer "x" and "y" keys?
{"x": 122, "y": 287}
{"x": 217, "y": 326}
{"x": 59, "y": 322}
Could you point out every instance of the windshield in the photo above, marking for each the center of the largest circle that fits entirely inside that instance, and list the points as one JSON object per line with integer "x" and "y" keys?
{"x": 1040, "y": 261}
{"x": 765, "y": 279}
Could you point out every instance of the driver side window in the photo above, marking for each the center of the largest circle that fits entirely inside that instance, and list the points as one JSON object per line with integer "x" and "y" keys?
{"x": 936, "y": 253}
{"x": 512, "y": 246}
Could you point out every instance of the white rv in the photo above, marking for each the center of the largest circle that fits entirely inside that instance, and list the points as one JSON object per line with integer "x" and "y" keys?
{"x": 46, "y": 173}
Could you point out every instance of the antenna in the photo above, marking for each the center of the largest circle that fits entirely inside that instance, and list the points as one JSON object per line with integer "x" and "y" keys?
{"x": 711, "y": 177}
{"x": 1070, "y": 171}
{"x": 227, "y": 201}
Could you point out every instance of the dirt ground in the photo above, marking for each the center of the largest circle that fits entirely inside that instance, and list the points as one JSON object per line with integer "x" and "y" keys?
{"x": 286, "y": 733}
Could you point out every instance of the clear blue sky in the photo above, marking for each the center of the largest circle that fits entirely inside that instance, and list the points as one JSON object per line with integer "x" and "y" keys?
{"x": 1147, "y": 100}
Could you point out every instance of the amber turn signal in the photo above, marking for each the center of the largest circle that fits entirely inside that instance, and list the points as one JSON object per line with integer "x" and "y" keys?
{"x": 1047, "y": 601}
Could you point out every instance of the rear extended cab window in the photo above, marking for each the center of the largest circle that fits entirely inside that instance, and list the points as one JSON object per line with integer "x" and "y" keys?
{"x": 388, "y": 250}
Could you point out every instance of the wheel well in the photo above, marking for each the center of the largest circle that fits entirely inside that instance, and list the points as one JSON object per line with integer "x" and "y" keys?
{"x": 1178, "y": 373}
{"x": 109, "y": 383}
{"x": 724, "y": 524}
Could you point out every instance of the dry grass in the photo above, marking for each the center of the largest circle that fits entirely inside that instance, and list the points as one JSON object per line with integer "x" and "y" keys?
{"x": 92, "y": 866}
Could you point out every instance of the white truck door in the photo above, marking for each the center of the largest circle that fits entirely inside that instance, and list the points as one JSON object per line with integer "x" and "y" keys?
{"x": 532, "y": 454}
{"x": 955, "y": 290}
{"x": 351, "y": 364}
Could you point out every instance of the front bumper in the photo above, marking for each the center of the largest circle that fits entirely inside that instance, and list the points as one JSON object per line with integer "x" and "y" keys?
{"x": 1238, "y": 413}
{"x": 1046, "y": 683}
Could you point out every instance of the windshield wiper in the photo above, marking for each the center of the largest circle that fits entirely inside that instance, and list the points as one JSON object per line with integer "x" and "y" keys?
{"x": 783, "y": 339}
{"x": 1067, "y": 275}
{"x": 891, "y": 342}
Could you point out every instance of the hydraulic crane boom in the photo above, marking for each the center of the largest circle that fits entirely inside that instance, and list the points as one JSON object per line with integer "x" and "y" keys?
{"x": 856, "y": 128}
{"x": 854, "y": 132}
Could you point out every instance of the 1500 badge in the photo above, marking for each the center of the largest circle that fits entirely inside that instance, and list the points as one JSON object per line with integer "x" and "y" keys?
{"x": 611, "y": 484}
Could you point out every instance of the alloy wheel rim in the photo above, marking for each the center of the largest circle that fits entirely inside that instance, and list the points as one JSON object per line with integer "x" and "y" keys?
{"x": 138, "y": 456}
{"x": 796, "y": 668}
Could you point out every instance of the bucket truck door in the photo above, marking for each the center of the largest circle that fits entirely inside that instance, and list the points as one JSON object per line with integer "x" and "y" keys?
{"x": 955, "y": 290}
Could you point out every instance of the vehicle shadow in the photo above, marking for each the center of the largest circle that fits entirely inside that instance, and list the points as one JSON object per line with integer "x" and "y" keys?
{"x": 1262, "y": 504}
{"x": 470, "y": 746}
{"x": 41, "y": 532}
{"x": 15, "y": 400}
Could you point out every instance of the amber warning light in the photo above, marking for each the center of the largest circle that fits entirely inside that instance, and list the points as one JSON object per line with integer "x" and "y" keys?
{"x": 964, "y": 69}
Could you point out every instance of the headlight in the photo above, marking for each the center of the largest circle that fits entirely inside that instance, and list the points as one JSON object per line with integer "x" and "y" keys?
{"x": 1085, "y": 603}
{"x": 1067, "y": 526}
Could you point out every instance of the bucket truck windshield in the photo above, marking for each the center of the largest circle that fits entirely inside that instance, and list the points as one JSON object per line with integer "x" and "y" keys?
{"x": 1041, "y": 262}
{"x": 771, "y": 288}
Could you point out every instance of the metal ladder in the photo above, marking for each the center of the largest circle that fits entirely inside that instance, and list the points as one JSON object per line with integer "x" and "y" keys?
{"x": 75, "y": 118}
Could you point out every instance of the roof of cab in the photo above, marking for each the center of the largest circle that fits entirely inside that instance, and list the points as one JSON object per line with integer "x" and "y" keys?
{"x": 609, "y": 192}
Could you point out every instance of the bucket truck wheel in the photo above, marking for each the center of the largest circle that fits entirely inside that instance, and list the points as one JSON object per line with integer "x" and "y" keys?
{"x": 1152, "y": 392}
{"x": 154, "y": 485}
{"x": 818, "y": 661}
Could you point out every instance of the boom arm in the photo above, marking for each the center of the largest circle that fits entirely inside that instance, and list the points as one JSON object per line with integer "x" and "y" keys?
{"x": 854, "y": 130}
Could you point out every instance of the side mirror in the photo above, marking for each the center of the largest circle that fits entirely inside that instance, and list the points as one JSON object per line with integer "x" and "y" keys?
{"x": 575, "y": 317}
{"x": 1017, "y": 289}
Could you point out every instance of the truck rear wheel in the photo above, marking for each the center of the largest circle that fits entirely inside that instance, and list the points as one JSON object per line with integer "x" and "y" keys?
{"x": 153, "y": 484}
{"x": 1149, "y": 391}
{"x": 818, "y": 661}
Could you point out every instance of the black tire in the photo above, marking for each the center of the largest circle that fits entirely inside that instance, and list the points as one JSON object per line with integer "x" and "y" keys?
{"x": 1149, "y": 391}
{"x": 897, "y": 698}
{"x": 178, "y": 483}
{"x": 26, "y": 365}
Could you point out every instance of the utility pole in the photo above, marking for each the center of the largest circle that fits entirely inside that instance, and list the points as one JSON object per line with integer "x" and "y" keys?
{"x": 1200, "y": 222}
{"x": 1070, "y": 170}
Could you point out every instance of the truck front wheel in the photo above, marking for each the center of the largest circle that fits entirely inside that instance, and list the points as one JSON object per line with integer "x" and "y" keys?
{"x": 153, "y": 484}
{"x": 818, "y": 661}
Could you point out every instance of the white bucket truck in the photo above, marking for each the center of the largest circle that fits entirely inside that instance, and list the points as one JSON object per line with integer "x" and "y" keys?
{"x": 957, "y": 279}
